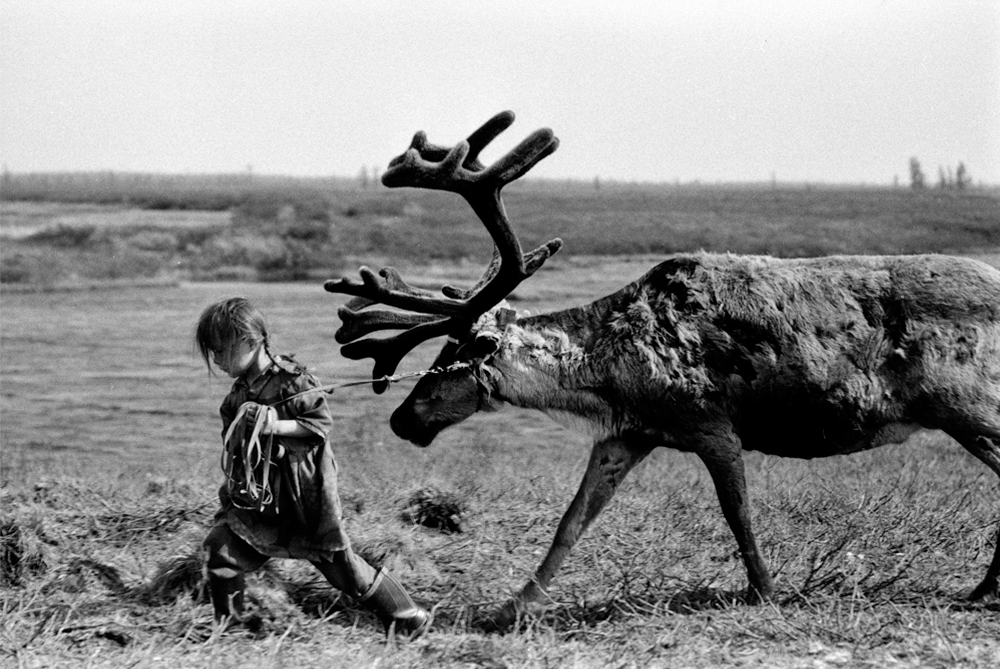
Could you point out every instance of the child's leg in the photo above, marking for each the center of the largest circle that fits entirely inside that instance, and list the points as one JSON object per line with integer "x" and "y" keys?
{"x": 348, "y": 572}
{"x": 228, "y": 559}
{"x": 378, "y": 591}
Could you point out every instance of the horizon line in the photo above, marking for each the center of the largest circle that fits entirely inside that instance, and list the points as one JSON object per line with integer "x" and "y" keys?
{"x": 371, "y": 180}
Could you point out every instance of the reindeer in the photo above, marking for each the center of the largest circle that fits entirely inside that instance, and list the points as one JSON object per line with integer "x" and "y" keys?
{"x": 706, "y": 353}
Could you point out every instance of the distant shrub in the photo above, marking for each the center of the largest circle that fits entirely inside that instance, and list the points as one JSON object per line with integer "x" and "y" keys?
{"x": 16, "y": 269}
{"x": 33, "y": 266}
{"x": 273, "y": 257}
{"x": 157, "y": 203}
{"x": 259, "y": 206}
{"x": 191, "y": 239}
{"x": 64, "y": 236}
{"x": 240, "y": 273}
{"x": 154, "y": 240}
{"x": 119, "y": 261}
{"x": 378, "y": 203}
{"x": 313, "y": 230}
{"x": 186, "y": 201}
{"x": 241, "y": 248}
{"x": 293, "y": 264}
{"x": 313, "y": 209}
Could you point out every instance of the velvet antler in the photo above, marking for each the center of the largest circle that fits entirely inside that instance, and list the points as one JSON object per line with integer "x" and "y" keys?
{"x": 426, "y": 315}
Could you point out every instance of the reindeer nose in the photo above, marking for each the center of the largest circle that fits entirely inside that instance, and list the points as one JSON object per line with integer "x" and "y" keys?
{"x": 406, "y": 426}
{"x": 401, "y": 427}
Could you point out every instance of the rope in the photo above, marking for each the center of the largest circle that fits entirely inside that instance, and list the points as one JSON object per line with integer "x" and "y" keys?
{"x": 387, "y": 380}
{"x": 242, "y": 458}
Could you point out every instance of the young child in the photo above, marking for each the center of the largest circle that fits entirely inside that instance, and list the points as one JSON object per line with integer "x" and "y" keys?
{"x": 283, "y": 503}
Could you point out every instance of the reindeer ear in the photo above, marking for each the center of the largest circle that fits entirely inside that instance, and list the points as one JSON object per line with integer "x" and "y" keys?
{"x": 505, "y": 317}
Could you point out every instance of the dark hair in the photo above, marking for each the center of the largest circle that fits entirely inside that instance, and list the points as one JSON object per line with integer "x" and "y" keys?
{"x": 224, "y": 323}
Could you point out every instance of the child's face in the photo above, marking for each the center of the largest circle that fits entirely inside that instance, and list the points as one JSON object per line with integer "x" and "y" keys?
{"x": 236, "y": 358}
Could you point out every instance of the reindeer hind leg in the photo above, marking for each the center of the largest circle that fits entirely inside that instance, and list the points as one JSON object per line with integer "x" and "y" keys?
{"x": 722, "y": 454}
{"x": 987, "y": 449}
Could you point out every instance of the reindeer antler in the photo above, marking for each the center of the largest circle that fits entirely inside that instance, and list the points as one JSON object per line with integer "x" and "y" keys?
{"x": 425, "y": 314}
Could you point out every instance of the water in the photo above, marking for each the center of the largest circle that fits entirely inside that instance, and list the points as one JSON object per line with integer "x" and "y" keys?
{"x": 85, "y": 375}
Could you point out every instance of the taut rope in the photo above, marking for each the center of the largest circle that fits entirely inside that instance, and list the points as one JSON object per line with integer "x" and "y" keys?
{"x": 387, "y": 380}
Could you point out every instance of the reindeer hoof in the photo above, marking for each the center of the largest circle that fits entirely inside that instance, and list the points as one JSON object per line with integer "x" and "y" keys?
{"x": 988, "y": 588}
{"x": 512, "y": 613}
{"x": 503, "y": 618}
{"x": 755, "y": 596}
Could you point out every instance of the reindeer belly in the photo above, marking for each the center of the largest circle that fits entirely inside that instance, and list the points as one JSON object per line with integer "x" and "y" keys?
{"x": 821, "y": 425}
{"x": 816, "y": 441}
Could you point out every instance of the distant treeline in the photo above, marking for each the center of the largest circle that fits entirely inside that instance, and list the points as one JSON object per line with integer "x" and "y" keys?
{"x": 203, "y": 192}
{"x": 222, "y": 192}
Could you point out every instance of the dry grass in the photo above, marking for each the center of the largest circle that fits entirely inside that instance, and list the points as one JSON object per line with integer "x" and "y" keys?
{"x": 873, "y": 555}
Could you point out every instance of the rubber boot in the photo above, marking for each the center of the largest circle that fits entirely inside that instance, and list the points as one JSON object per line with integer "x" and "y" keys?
{"x": 387, "y": 599}
{"x": 227, "y": 597}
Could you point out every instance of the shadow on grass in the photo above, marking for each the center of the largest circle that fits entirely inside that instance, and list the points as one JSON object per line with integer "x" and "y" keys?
{"x": 565, "y": 618}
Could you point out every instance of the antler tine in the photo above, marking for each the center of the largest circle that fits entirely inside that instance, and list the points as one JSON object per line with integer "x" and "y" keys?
{"x": 459, "y": 170}
{"x": 486, "y": 133}
{"x": 477, "y": 141}
{"x": 392, "y": 291}
{"x": 393, "y": 281}
{"x": 389, "y": 288}
{"x": 388, "y": 352}
{"x": 358, "y": 324}
{"x": 466, "y": 293}
{"x": 532, "y": 261}
{"x": 523, "y": 157}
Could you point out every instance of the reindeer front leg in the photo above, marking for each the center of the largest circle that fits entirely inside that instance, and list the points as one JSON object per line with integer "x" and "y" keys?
{"x": 610, "y": 461}
{"x": 723, "y": 455}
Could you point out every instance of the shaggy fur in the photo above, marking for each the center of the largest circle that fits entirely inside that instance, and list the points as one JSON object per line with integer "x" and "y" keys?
{"x": 717, "y": 353}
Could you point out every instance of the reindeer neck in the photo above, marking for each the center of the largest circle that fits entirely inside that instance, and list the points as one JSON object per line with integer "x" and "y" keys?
{"x": 541, "y": 361}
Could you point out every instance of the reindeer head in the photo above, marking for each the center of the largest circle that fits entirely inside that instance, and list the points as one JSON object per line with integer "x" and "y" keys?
{"x": 455, "y": 392}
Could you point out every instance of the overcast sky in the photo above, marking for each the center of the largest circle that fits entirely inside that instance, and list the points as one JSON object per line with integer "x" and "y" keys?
{"x": 652, "y": 91}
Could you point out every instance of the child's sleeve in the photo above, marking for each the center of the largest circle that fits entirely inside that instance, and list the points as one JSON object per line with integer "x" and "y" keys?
{"x": 310, "y": 409}
{"x": 228, "y": 412}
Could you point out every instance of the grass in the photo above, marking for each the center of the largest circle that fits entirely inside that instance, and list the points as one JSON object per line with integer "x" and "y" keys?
{"x": 110, "y": 466}
{"x": 80, "y": 229}
{"x": 871, "y": 570}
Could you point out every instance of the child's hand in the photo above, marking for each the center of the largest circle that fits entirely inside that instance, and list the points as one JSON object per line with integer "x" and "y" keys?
{"x": 270, "y": 427}
{"x": 270, "y": 422}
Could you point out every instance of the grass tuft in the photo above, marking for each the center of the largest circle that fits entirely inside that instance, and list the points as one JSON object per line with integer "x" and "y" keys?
{"x": 436, "y": 509}
{"x": 21, "y": 557}
{"x": 178, "y": 576}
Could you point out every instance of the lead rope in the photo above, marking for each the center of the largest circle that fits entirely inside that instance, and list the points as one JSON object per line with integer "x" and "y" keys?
{"x": 252, "y": 454}
{"x": 387, "y": 380}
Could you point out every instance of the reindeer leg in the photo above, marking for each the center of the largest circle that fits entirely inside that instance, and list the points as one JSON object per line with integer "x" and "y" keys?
{"x": 610, "y": 461}
{"x": 988, "y": 450}
{"x": 723, "y": 455}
